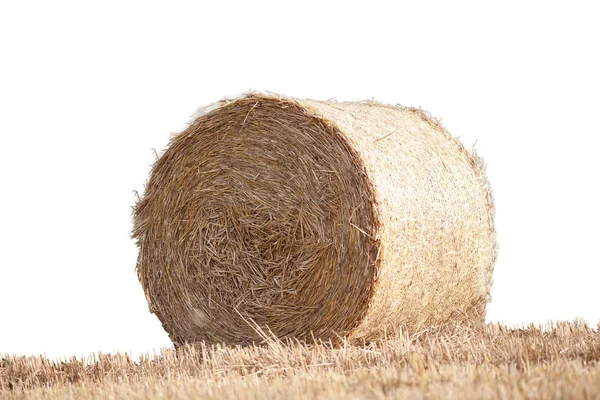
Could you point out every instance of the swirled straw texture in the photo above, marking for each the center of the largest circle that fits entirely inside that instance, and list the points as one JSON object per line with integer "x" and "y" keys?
{"x": 313, "y": 220}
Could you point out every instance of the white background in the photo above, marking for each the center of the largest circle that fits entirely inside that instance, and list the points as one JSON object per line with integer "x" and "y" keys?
{"x": 88, "y": 89}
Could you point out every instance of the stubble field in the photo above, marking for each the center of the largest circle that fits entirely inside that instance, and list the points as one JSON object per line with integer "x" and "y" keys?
{"x": 562, "y": 361}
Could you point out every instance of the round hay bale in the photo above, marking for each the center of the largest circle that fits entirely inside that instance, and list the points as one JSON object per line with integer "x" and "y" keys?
{"x": 314, "y": 219}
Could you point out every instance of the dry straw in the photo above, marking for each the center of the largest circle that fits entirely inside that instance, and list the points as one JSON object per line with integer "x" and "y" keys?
{"x": 314, "y": 220}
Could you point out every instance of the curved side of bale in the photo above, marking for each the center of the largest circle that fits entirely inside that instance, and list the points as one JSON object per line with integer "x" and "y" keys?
{"x": 438, "y": 242}
{"x": 313, "y": 220}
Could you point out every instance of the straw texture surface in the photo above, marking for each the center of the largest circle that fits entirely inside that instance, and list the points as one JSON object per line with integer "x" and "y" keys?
{"x": 313, "y": 220}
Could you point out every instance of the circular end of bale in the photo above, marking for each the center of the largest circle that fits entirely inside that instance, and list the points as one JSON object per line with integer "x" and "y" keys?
{"x": 260, "y": 214}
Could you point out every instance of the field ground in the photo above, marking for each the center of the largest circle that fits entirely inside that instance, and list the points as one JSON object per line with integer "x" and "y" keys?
{"x": 462, "y": 362}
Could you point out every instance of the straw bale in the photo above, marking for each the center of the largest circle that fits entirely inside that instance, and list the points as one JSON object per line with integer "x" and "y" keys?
{"x": 314, "y": 219}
